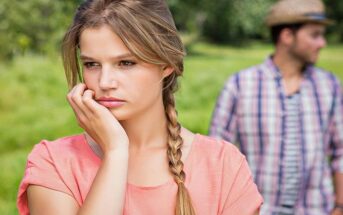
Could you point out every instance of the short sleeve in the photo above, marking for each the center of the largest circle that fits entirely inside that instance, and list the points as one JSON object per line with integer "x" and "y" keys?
{"x": 242, "y": 196}
{"x": 40, "y": 170}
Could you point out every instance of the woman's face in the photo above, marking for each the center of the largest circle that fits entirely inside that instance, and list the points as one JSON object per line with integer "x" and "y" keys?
{"x": 125, "y": 85}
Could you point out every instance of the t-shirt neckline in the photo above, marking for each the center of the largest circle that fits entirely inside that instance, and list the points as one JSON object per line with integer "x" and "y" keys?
{"x": 96, "y": 151}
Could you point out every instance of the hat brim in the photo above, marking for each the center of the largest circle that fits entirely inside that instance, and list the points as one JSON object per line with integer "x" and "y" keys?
{"x": 299, "y": 19}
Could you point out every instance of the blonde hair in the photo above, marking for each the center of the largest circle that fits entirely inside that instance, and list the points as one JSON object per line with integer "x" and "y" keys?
{"x": 147, "y": 28}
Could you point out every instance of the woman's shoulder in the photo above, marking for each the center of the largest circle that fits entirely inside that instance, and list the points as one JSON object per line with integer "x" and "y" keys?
{"x": 221, "y": 169}
{"x": 68, "y": 143}
{"x": 210, "y": 155}
{"x": 212, "y": 148}
{"x": 63, "y": 149}
{"x": 65, "y": 164}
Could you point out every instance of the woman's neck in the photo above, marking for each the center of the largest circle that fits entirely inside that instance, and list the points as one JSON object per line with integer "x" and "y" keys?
{"x": 148, "y": 129}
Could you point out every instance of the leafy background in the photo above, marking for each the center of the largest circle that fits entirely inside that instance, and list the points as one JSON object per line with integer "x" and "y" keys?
{"x": 221, "y": 38}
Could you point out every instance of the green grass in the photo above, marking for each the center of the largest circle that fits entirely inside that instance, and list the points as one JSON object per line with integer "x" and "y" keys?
{"x": 33, "y": 104}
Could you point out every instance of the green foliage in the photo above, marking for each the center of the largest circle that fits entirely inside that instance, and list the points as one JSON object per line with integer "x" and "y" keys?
{"x": 222, "y": 21}
{"x": 12, "y": 170}
{"x": 38, "y": 25}
{"x": 35, "y": 25}
{"x": 35, "y": 96}
{"x": 235, "y": 21}
{"x": 185, "y": 21}
{"x": 335, "y": 12}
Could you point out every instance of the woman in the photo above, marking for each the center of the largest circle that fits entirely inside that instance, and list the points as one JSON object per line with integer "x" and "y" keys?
{"x": 128, "y": 55}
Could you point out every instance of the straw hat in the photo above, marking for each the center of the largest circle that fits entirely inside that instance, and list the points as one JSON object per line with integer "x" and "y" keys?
{"x": 297, "y": 11}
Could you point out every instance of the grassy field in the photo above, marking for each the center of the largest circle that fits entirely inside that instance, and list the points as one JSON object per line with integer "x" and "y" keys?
{"x": 33, "y": 105}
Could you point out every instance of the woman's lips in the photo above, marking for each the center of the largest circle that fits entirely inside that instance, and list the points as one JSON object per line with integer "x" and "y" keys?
{"x": 110, "y": 102}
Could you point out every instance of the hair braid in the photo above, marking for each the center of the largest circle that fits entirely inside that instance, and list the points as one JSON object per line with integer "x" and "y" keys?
{"x": 175, "y": 142}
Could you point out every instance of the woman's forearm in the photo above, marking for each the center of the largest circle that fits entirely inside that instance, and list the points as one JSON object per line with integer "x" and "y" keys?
{"x": 107, "y": 193}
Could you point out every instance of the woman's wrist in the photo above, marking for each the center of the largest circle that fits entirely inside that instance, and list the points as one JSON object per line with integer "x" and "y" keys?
{"x": 119, "y": 153}
{"x": 117, "y": 146}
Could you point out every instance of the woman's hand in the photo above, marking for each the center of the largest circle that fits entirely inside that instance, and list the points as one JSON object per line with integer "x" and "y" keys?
{"x": 97, "y": 120}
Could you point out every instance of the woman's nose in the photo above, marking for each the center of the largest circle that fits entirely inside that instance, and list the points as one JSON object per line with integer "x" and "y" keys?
{"x": 108, "y": 79}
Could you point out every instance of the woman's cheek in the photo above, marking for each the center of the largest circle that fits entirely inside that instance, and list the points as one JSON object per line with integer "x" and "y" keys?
{"x": 89, "y": 81}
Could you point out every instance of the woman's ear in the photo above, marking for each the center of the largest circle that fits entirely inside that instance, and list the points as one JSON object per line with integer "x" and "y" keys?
{"x": 167, "y": 70}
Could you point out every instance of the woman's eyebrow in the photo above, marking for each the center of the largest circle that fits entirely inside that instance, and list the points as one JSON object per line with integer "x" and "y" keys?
{"x": 126, "y": 55}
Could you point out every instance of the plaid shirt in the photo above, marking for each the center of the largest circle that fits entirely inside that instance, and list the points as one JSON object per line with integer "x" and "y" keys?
{"x": 250, "y": 112}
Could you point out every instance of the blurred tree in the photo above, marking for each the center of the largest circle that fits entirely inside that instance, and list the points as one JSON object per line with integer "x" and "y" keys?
{"x": 35, "y": 25}
{"x": 184, "y": 20}
{"x": 236, "y": 20}
{"x": 335, "y": 11}
{"x": 38, "y": 25}
{"x": 222, "y": 20}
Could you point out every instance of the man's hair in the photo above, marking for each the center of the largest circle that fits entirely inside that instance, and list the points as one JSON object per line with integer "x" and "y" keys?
{"x": 275, "y": 31}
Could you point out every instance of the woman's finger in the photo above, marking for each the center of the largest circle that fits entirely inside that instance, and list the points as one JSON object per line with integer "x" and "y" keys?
{"x": 76, "y": 97}
{"x": 90, "y": 103}
{"x": 79, "y": 113}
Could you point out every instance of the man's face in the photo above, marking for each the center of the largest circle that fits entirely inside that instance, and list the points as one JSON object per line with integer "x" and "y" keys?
{"x": 308, "y": 41}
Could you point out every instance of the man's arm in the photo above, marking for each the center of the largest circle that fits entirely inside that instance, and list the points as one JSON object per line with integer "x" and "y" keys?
{"x": 337, "y": 148}
{"x": 224, "y": 117}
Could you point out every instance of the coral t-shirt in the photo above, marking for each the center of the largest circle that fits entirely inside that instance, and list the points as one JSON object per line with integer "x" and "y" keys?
{"x": 217, "y": 177}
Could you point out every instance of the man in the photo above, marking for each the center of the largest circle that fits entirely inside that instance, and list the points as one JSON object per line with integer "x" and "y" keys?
{"x": 286, "y": 115}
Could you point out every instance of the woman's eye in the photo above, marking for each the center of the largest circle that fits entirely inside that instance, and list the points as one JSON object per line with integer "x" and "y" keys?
{"x": 90, "y": 65}
{"x": 126, "y": 63}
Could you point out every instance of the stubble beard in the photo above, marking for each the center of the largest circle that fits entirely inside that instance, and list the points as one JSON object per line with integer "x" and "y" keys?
{"x": 304, "y": 59}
